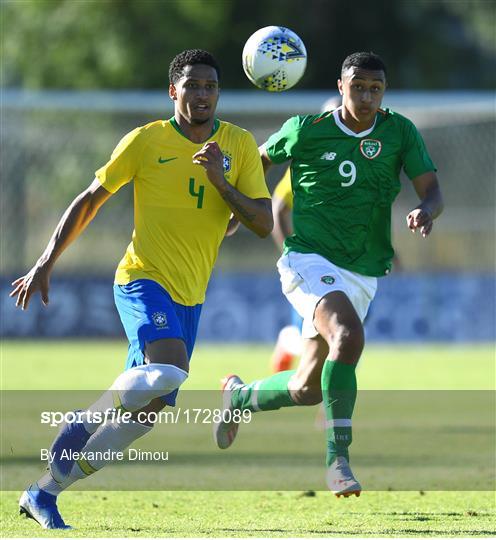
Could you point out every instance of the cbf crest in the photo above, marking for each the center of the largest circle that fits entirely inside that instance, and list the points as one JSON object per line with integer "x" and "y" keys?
{"x": 370, "y": 148}
{"x": 226, "y": 162}
{"x": 160, "y": 319}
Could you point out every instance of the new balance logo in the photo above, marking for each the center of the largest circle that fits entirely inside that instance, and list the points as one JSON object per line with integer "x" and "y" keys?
{"x": 328, "y": 156}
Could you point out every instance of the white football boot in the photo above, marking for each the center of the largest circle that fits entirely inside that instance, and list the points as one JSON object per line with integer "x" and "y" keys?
{"x": 340, "y": 479}
{"x": 224, "y": 431}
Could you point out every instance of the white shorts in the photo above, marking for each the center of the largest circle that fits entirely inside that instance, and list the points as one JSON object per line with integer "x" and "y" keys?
{"x": 307, "y": 277}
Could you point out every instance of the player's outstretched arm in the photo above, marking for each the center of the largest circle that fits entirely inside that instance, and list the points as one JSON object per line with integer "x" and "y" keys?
{"x": 431, "y": 203}
{"x": 256, "y": 214}
{"x": 75, "y": 219}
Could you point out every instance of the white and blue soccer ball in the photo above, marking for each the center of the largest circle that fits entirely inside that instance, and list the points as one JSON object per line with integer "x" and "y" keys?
{"x": 274, "y": 58}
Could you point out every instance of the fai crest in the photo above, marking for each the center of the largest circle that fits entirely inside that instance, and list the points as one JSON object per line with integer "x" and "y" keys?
{"x": 328, "y": 280}
{"x": 160, "y": 319}
{"x": 370, "y": 148}
{"x": 226, "y": 163}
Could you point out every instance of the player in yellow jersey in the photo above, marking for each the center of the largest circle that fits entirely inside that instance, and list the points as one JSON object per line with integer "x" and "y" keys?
{"x": 190, "y": 173}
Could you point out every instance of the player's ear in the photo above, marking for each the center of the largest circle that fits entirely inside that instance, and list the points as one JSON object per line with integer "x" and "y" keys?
{"x": 340, "y": 86}
{"x": 172, "y": 92}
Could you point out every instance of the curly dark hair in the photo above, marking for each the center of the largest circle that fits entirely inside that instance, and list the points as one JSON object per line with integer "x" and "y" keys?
{"x": 190, "y": 57}
{"x": 364, "y": 60}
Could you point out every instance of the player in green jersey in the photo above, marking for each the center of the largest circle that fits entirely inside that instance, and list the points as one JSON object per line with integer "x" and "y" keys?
{"x": 345, "y": 168}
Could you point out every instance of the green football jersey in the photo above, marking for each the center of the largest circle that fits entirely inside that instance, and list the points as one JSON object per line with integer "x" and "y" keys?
{"x": 344, "y": 185}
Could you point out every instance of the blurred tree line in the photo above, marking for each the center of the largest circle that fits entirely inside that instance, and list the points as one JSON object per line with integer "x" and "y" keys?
{"x": 85, "y": 44}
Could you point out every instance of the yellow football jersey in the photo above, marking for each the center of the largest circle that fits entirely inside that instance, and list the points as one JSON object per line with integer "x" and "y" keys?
{"x": 179, "y": 217}
{"x": 283, "y": 189}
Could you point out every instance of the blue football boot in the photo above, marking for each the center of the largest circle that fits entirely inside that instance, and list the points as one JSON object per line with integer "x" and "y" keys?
{"x": 42, "y": 507}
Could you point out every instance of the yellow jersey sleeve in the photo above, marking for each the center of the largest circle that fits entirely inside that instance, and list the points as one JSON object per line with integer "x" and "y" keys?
{"x": 125, "y": 161}
{"x": 251, "y": 179}
{"x": 283, "y": 189}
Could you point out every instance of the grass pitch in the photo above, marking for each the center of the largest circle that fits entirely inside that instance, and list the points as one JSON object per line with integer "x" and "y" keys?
{"x": 94, "y": 365}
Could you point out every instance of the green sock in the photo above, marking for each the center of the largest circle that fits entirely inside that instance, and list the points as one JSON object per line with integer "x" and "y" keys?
{"x": 339, "y": 390}
{"x": 267, "y": 394}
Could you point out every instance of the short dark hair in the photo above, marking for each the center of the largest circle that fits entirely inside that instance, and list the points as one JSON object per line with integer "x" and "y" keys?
{"x": 190, "y": 57}
{"x": 364, "y": 60}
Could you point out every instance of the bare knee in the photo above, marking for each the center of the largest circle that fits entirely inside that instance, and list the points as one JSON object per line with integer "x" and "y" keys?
{"x": 304, "y": 391}
{"x": 167, "y": 351}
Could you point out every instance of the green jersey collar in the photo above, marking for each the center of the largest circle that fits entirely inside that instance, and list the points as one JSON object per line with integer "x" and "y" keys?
{"x": 175, "y": 125}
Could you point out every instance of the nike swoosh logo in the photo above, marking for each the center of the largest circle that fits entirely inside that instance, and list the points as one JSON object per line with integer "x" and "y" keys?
{"x": 160, "y": 160}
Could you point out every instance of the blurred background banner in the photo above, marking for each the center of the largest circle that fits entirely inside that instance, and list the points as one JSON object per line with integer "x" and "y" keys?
{"x": 249, "y": 307}
{"x": 77, "y": 76}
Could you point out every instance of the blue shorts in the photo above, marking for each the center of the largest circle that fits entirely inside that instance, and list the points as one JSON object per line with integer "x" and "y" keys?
{"x": 148, "y": 313}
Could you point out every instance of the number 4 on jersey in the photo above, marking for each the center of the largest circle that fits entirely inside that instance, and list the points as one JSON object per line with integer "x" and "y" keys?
{"x": 199, "y": 193}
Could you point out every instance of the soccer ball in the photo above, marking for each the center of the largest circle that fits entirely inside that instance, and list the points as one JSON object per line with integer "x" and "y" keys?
{"x": 274, "y": 58}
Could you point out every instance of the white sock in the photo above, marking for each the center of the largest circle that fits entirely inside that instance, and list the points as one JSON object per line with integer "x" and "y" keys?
{"x": 134, "y": 389}
{"x": 109, "y": 439}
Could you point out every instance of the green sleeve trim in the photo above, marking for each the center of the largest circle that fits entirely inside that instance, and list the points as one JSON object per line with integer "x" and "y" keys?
{"x": 175, "y": 125}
